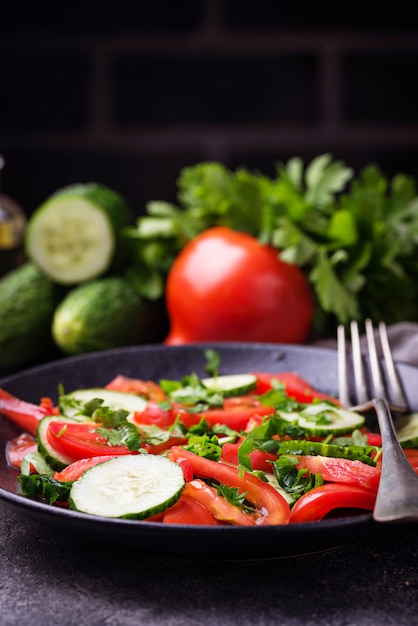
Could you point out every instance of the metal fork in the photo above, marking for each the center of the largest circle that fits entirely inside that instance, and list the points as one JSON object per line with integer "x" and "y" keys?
{"x": 397, "y": 497}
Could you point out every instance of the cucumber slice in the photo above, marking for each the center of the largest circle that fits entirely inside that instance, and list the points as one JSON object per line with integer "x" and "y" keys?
{"x": 70, "y": 404}
{"x": 72, "y": 237}
{"x": 55, "y": 459}
{"x": 305, "y": 447}
{"x": 407, "y": 430}
{"x": 322, "y": 419}
{"x": 132, "y": 486}
{"x": 231, "y": 385}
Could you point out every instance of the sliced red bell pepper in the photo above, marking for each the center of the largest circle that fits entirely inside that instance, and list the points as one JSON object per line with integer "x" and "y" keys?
{"x": 24, "y": 414}
{"x": 187, "y": 469}
{"x": 272, "y": 508}
{"x": 318, "y": 502}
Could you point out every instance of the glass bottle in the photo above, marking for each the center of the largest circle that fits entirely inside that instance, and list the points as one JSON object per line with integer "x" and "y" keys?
{"x": 12, "y": 229}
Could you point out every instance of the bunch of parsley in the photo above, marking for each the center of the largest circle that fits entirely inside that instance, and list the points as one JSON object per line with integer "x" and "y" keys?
{"x": 354, "y": 236}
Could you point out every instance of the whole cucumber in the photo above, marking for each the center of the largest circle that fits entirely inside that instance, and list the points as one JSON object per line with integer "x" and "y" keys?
{"x": 106, "y": 313}
{"x": 28, "y": 300}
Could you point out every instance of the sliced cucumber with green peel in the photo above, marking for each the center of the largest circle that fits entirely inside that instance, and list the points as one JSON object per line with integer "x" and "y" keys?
{"x": 407, "y": 430}
{"x": 131, "y": 486}
{"x": 55, "y": 459}
{"x": 72, "y": 237}
{"x": 322, "y": 419}
{"x": 231, "y": 385}
{"x": 71, "y": 403}
{"x": 305, "y": 447}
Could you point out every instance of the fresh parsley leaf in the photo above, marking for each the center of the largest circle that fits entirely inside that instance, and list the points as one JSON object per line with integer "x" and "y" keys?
{"x": 127, "y": 435}
{"x": 233, "y": 496}
{"x": 41, "y": 486}
{"x": 154, "y": 435}
{"x": 205, "y": 446}
{"x": 293, "y": 480}
{"x": 213, "y": 362}
{"x": 110, "y": 418}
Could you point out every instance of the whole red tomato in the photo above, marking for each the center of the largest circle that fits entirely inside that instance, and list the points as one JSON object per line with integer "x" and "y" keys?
{"x": 226, "y": 286}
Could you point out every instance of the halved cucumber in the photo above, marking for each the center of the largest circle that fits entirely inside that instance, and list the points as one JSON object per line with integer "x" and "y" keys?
{"x": 70, "y": 403}
{"x": 72, "y": 237}
{"x": 322, "y": 419}
{"x": 407, "y": 430}
{"x": 231, "y": 384}
{"x": 132, "y": 486}
{"x": 55, "y": 459}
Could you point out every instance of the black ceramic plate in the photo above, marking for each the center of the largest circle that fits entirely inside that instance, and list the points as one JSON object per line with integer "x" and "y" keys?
{"x": 318, "y": 365}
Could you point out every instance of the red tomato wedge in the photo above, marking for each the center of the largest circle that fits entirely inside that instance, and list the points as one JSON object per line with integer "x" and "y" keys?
{"x": 24, "y": 414}
{"x": 80, "y": 441}
{"x": 295, "y": 386}
{"x": 318, "y": 502}
{"x": 272, "y": 507}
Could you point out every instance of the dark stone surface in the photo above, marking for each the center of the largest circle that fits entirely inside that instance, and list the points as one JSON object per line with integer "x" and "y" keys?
{"x": 49, "y": 579}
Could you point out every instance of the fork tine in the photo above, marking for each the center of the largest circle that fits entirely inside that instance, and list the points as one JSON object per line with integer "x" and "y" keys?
{"x": 359, "y": 373}
{"x": 398, "y": 395}
{"x": 343, "y": 387}
{"x": 378, "y": 384}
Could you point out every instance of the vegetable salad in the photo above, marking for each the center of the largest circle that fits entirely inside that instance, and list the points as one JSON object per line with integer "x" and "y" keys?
{"x": 250, "y": 449}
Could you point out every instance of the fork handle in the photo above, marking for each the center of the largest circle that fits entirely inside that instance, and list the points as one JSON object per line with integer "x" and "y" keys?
{"x": 397, "y": 497}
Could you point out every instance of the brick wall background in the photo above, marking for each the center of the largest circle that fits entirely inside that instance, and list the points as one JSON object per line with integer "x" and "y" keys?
{"x": 128, "y": 93}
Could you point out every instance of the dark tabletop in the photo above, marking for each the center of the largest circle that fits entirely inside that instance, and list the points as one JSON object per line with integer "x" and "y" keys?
{"x": 48, "y": 579}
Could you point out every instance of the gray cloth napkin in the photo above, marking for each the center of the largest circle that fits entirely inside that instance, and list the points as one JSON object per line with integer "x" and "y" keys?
{"x": 403, "y": 339}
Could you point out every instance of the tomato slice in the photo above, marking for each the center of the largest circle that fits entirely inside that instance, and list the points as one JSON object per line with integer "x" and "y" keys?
{"x": 73, "y": 471}
{"x": 295, "y": 386}
{"x": 154, "y": 414}
{"x": 24, "y": 414}
{"x": 80, "y": 441}
{"x": 147, "y": 388}
{"x": 315, "y": 504}
{"x": 236, "y": 413}
{"x": 271, "y": 506}
{"x": 18, "y": 448}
